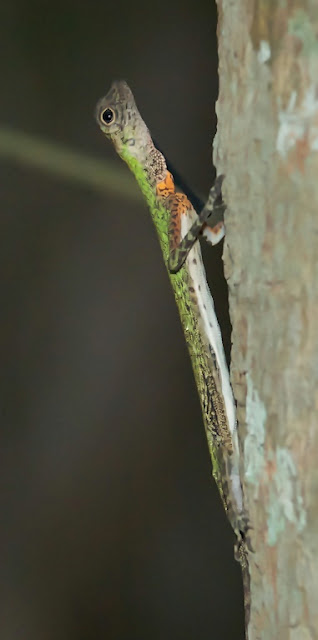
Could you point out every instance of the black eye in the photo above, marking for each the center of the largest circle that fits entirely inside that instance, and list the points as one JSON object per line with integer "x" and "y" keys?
{"x": 108, "y": 116}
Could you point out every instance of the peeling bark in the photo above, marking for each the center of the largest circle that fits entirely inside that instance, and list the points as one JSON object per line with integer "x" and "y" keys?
{"x": 267, "y": 147}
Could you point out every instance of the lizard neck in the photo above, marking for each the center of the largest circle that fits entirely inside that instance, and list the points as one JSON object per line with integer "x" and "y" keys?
{"x": 149, "y": 167}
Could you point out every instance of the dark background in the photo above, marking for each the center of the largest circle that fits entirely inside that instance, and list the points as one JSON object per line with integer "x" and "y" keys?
{"x": 111, "y": 526}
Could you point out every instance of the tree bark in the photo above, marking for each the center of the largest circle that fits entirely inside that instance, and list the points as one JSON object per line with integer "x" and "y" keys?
{"x": 266, "y": 145}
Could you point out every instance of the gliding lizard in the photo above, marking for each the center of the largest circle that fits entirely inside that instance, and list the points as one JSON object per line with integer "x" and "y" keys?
{"x": 178, "y": 227}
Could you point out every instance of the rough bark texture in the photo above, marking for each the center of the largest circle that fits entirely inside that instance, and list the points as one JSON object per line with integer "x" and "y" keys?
{"x": 266, "y": 145}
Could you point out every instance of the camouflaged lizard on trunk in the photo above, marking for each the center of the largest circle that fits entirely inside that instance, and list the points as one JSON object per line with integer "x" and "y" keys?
{"x": 178, "y": 227}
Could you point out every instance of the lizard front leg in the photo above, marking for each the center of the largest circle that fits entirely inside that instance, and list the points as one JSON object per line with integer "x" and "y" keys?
{"x": 209, "y": 222}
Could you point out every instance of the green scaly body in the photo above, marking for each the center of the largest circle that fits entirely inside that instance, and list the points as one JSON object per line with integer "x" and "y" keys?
{"x": 132, "y": 141}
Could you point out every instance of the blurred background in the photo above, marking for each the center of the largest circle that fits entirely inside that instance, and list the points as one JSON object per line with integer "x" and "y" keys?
{"x": 111, "y": 524}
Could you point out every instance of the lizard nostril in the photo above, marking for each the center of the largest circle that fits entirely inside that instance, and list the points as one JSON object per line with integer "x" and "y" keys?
{"x": 108, "y": 116}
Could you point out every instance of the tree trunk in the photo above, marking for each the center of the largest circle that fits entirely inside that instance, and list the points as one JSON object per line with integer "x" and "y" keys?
{"x": 266, "y": 145}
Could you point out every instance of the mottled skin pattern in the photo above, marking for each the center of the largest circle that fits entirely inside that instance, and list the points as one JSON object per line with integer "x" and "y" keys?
{"x": 119, "y": 119}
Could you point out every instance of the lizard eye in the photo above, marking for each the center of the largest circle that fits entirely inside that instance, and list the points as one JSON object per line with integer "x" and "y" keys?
{"x": 108, "y": 116}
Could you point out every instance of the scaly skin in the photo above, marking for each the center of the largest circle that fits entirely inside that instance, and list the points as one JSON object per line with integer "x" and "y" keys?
{"x": 173, "y": 216}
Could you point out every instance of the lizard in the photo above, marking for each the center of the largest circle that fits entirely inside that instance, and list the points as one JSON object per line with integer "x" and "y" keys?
{"x": 178, "y": 227}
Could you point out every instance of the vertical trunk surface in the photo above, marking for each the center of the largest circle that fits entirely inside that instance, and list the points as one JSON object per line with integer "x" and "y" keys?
{"x": 267, "y": 147}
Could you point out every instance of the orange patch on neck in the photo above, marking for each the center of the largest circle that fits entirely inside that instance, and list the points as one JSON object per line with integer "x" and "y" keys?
{"x": 166, "y": 187}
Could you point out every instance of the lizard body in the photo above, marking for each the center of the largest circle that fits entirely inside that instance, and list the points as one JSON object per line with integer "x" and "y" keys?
{"x": 174, "y": 218}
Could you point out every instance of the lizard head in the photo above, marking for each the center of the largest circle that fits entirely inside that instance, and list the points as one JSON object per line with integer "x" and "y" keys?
{"x": 119, "y": 119}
